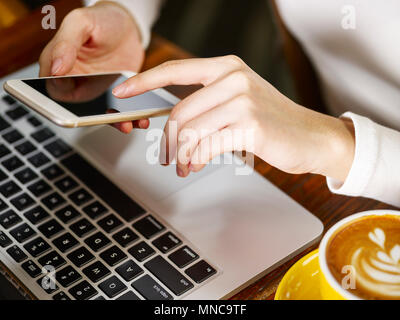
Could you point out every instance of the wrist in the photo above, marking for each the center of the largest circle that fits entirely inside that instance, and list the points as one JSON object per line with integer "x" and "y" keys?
{"x": 340, "y": 149}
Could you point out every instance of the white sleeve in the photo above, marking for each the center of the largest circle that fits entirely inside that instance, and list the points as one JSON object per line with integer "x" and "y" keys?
{"x": 375, "y": 172}
{"x": 145, "y": 13}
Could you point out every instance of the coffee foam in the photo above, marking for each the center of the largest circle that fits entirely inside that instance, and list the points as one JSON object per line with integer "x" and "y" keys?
{"x": 378, "y": 268}
{"x": 372, "y": 247}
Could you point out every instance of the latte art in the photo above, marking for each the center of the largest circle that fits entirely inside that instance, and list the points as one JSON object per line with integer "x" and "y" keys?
{"x": 371, "y": 246}
{"x": 377, "y": 269}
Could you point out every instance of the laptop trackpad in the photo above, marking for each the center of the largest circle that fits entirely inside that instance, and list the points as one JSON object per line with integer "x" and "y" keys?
{"x": 131, "y": 160}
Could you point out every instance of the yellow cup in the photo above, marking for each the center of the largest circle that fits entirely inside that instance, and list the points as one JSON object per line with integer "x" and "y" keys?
{"x": 330, "y": 288}
{"x": 310, "y": 278}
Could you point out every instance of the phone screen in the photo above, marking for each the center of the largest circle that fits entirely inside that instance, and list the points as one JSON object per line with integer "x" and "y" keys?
{"x": 91, "y": 95}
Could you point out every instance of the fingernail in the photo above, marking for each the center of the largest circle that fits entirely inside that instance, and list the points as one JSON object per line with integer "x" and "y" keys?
{"x": 119, "y": 91}
{"x": 191, "y": 167}
{"x": 179, "y": 172}
{"x": 57, "y": 64}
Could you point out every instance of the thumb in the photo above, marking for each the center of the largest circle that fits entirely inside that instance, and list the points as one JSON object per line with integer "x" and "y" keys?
{"x": 74, "y": 32}
{"x": 63, "y": 58}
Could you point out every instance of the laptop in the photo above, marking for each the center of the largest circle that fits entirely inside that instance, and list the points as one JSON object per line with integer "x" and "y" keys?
{"x": 84, "y": 216}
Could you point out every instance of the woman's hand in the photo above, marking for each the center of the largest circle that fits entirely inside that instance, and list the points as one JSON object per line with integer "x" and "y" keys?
{"x": 234, "y": 98}
{"x": 101, "y": 38}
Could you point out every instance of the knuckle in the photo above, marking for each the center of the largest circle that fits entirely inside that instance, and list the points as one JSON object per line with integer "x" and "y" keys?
{"x": 242, "y": 79}
{"x": 233, "y": 60}
{"x": 169, "y": 64}
{"x": 79, "y": 14}
{"x": 244, "y": 102}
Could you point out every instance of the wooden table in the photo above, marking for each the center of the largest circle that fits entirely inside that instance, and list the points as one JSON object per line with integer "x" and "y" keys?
{"x": 21, "y": 45}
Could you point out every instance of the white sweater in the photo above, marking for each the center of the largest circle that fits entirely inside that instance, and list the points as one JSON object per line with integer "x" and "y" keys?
{"x": 354, "y": 47}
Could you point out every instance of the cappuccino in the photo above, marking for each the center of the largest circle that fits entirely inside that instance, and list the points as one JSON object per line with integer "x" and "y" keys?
{"x": 370, "y": 247}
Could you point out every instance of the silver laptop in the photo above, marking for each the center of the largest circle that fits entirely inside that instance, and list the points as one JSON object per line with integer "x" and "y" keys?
{"x": 85, "y": 216}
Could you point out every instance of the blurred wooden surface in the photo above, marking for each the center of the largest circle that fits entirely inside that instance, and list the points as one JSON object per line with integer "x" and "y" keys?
{"x": 11, "y": 11}
{"x": 21, "y": 45}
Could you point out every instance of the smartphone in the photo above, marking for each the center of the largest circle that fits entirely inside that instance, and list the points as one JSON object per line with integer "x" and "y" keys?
{"x": 87, "y": 100}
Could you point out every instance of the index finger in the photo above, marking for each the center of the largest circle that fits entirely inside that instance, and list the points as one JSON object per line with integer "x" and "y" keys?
{"x": 179, "y": 72}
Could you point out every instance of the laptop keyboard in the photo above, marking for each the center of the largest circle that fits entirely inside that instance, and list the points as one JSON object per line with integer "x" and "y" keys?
{"x": 58, "y": 211}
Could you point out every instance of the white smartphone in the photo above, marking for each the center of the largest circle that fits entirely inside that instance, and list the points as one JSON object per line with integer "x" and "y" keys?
{"x": 87, "y": 100}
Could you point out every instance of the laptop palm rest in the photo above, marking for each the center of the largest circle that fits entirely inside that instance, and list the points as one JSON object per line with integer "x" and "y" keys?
{"x": 243, "y": 224}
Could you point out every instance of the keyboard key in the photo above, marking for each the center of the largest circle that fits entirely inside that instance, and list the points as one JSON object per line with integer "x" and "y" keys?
{"x": 150, "y": 289}
{"x": 10, "y": 188}
{"x": 47, "y": 284}
{"x": 22, "y": 201}
{"x": 110, "y": 223}
{"x": 200, "y": 271}
{"x": 58, "y": 148}
{"x": 4, "y": 240}
{"x": 129, "y": 270}
{"x": 80, "y": 197}
{"x": 168, "y": 275}
{"x": 128, "y": 296}
{"x": 94, "y": 210}
{"x": 39, "y": 160}
{"x": 12, "y": 136}
{"x": 112, "y": 287}
{"x": 83, "y": 291}
{"x": 67, "y": 214}
{"x": 67, "y": 276}
{"x": 36, "y": 215}
{"x": 22, "y": 233}
{"x": 50, "y": 228}
{"x": 12, "y": 164}
{"x": 104, "y": 188}
{"x": 52, "y": 172}
{"x": 3, "y": 124}
{"x": 166, "y": 242}
{"x": 52, "y": 259}
{"x": 97, "y": 241}
{"x": 31, "y": 268}
{"x": 39, "y": 188}
{"x": 3, "y": 176}
{"x": 113, "y": 256}
{"x": 53, "y": 201}
{"x": 17, "y": 113}
{"x": 4, "y": 151}
{"x": 61, "y": 296}
{"x": 25, "y": 148}
{"x": 82, "y": 227}
{"x": 9, "y": 218}
{"x": 35, "y": 122}
{"x": 125, "y": 237}
{"x": 65, "y": 242}
{"x": 3, "y": 205}
{"x": 8, "y": 99}
{"x": 17, "y": 254}
{"x": 66, "y": 184}
{"x": 80, "y": 256}
{"x": 42, "y": 135}
{"x": 141, "y": 251}
{"x": 148, "y": 227}
{"x": 96, "y": 271}
{"x": 183, "y": 257}
{"x": 26, "y": 175}
{"x": 37, "y": 247}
